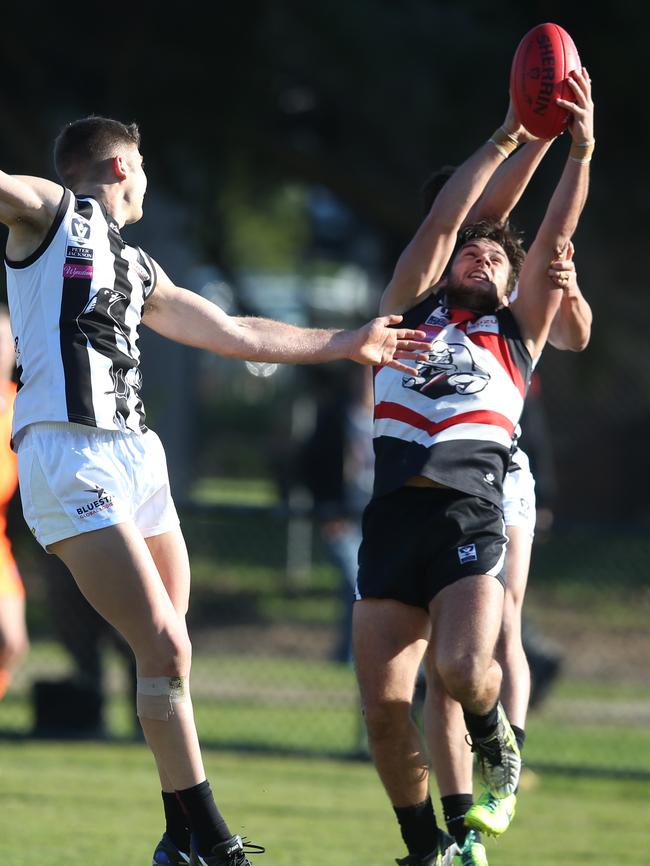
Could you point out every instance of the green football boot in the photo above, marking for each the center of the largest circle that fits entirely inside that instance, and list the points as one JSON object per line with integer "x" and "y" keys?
{"x": 473, "y": 851}
{"x": 490, "y": 814}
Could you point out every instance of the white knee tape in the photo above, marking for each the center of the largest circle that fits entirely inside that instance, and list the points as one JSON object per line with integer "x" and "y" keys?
{"x": 157, "y": 696}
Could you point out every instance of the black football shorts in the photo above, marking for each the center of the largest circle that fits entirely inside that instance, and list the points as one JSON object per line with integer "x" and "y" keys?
{"x": 418, "y": 540}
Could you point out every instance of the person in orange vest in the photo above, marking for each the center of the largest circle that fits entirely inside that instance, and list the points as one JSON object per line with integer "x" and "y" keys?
{"x": 13, "y": 629}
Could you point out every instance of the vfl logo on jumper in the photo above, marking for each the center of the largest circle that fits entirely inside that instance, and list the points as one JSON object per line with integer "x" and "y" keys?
{"x": 99, "y": 324}
{"x": 102, "y": 501}
{"x": 449, "y": 369}
{"x": 467, "y": 553}
{"x": 80, "y": 229}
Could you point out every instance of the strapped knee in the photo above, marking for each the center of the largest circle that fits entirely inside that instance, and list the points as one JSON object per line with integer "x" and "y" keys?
{"x": 157, "y": 697}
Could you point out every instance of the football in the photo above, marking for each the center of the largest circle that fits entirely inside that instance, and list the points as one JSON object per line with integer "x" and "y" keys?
{"x": 540, "y": 68}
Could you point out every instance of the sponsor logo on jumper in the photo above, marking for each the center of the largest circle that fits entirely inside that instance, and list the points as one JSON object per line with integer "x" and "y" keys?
{"x": 84, "y": 253}
{"x": 80, "y": 229}
{"x": 467, "y": 553}
{"x": 486, "y": 324}
{"x": 440, "y": 316}
{"x": 77, "y": 272}
{"x": 101, "y": 501}
{"x": 489, "y": 478}
{"x": 546, "y": 75}
{"x": 450, "y": 368}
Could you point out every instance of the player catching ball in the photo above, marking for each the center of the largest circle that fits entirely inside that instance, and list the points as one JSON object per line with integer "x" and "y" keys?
{"x": 430, "y": 582}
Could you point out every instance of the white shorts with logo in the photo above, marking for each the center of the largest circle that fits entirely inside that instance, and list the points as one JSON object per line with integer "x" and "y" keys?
{"x": 74, "y": 479}
{"x": 519, "y": 494}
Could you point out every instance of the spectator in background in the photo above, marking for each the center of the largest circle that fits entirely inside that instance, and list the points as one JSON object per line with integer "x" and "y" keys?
{"x": 337, "y": 466}
{"x": 13, "y": 628}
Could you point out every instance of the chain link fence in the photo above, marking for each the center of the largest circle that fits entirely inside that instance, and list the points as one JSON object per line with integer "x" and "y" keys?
{"x": 268, "y": 623}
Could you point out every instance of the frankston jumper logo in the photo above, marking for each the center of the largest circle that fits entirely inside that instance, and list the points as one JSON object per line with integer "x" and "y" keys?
{"x": 101, "y": 501}
{"x": 449, "y": 369}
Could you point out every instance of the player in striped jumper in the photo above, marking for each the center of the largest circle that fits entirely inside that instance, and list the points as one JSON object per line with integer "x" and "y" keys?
{"x": 429, "y": 583}
{"x": 93, "y": 477}
{"x": 445, "y": 728}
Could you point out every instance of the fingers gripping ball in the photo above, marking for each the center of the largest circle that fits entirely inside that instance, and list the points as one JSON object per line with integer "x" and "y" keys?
{"x": 540, "y": 68}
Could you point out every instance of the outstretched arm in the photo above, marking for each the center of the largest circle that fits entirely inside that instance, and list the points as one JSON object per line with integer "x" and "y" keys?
{"x": 507, "y": 184}
{"x": 538, "y": 298}
{"x": 571, "y": 325}
{"x": 425, "y": 258}
{"x": 188, "y": 318}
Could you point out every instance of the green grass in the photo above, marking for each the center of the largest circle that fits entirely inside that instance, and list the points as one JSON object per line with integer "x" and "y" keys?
{"x": 75, "y": 804}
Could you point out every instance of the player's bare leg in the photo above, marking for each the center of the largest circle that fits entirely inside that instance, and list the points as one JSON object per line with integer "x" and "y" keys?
{"x": 466, "y": 620}
{"x": 169, "y": 554}
{"x": 452, "y": 762}
{"x": 389, "y": 640}
{"x": 491, "y": 814}
{"x": 115, "y": 571}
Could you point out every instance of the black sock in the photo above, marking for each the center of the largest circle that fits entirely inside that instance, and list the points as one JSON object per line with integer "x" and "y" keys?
{"x": 206, "y": 821}
{"x": 418, "y": 827}
{"x": 480, "y": 727}
{"x": 520, "y": 736}
{"x": 454, "y": 807}
{"x": 176, "y": 823}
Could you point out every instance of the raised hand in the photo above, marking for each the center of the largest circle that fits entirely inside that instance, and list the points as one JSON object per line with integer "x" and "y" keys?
{"x": 581, "y": 120}
{"x": 514, "y": 127}
{"x": 562, "y": 270}
{"x": 378, "y": 343}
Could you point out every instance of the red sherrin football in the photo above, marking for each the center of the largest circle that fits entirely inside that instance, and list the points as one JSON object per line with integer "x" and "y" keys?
{"x": 540, "y": 67}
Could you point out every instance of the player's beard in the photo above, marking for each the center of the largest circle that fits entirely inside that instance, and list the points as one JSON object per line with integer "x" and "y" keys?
{"x": 474, "y": 298}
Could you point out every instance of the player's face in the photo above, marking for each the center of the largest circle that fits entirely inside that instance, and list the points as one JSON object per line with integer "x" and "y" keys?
{"x": 479, "y": 274}
{"x": 136, "y": 184}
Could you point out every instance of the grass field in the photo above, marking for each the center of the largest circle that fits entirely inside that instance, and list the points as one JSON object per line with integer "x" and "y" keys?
{"x": 78, "y": 804}
{"x": 262, "y": 679}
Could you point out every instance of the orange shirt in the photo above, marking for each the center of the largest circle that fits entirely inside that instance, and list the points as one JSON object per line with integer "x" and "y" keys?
{"x": 9, "y": 578}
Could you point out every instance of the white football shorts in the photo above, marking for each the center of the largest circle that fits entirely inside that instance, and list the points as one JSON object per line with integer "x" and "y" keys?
{"x": 519, "y": 494}
{"x": 74, "y": 479}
